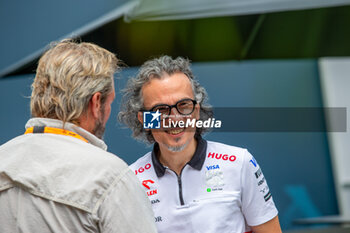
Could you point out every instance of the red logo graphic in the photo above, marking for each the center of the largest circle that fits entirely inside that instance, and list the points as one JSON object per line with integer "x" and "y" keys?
{"x": 145, "y": 182}
{"x": 150, "y": 192}
{"x": 142, "y": 169}
{"x": 231, "y": 158}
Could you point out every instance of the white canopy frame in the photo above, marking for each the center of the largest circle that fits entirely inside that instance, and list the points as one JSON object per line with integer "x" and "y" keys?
{"x": 190, "y": 9}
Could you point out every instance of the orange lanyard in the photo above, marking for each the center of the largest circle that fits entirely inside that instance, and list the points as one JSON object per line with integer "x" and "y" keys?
{"x": 57, "y": 131}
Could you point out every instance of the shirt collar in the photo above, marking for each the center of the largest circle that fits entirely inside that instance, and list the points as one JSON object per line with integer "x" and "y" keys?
{"x": 68, "y": 126}
{"x": 196, "y": 162}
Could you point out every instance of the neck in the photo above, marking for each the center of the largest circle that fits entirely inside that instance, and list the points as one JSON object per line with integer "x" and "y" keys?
{"x": 177, "y": 160}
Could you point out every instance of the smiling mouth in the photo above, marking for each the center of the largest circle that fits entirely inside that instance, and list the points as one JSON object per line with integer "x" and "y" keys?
{"x": 175, "y": 131}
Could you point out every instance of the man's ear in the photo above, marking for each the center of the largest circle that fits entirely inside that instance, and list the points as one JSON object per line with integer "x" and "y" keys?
{"x": 95, "y": 104}
{"x": 140, "y": 117}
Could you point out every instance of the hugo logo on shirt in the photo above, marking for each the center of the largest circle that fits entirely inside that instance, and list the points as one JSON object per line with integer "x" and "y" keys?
{"x": 143, "y": 168}
{"x": 224, "y": 157}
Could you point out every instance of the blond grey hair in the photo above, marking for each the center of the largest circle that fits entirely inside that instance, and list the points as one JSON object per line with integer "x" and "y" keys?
{"x": 68, "y": 74}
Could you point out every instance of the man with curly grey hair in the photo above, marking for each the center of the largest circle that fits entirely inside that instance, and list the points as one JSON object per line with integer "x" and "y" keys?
{"x": 194, "y": 185}
{"x": 58, "y": 177}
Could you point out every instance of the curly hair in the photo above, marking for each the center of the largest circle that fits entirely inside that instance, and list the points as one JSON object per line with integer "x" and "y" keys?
{"x": 132, "y": 101}
{"x": 68, "y": 74}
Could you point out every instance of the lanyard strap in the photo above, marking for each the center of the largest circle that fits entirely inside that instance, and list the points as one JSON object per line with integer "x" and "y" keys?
{"x": 44, "y": 129}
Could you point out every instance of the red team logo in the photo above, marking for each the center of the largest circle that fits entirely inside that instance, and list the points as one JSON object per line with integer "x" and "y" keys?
{"x": 225, "y": 157}
{"x": 142, "y": 169}
{"x": 150, "y": 192}
{"x": 145, "y": 182}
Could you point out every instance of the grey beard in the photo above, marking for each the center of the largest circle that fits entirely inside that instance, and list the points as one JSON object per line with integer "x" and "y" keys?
{"x": 99, "y": 129}
{"x": 177, "y": 148}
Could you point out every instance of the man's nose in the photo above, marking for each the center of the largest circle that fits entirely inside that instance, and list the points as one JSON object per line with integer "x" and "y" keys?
{"x": 174, "y": 114}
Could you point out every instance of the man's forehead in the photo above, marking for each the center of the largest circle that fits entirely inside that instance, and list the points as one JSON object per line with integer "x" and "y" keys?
{"x": 168, "y": 78}
{"x": 168, "y": 88}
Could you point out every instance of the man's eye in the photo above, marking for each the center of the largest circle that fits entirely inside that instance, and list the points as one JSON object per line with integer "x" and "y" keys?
{"x": 161, "y": 109}
{"x": 184, "y": 105}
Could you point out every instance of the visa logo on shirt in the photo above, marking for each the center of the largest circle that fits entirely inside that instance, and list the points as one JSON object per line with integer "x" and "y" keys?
{"x": 212, "y": 167}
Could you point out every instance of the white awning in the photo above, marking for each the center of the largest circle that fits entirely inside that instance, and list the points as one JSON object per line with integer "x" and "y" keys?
{"x": 27, "y": 27}
{"x": 189, "y": 9}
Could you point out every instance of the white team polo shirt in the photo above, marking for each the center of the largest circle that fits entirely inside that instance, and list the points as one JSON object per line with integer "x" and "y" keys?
{"x": 222, "y": 189}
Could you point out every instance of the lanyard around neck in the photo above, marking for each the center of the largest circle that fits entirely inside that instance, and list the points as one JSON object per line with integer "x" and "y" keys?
{"x": 45, "y": 129}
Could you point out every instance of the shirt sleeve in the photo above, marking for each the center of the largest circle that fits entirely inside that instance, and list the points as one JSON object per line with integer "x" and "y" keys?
{"x": 257, "y": 203}
{"x": 126, "y": 208}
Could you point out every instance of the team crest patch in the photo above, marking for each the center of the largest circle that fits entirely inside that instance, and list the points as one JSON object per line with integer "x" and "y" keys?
{"x": 214, "y": 178}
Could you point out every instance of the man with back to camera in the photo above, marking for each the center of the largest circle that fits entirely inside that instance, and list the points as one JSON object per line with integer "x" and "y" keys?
{"x": 194, "y": 185}
{"x": 58, "y": 177}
